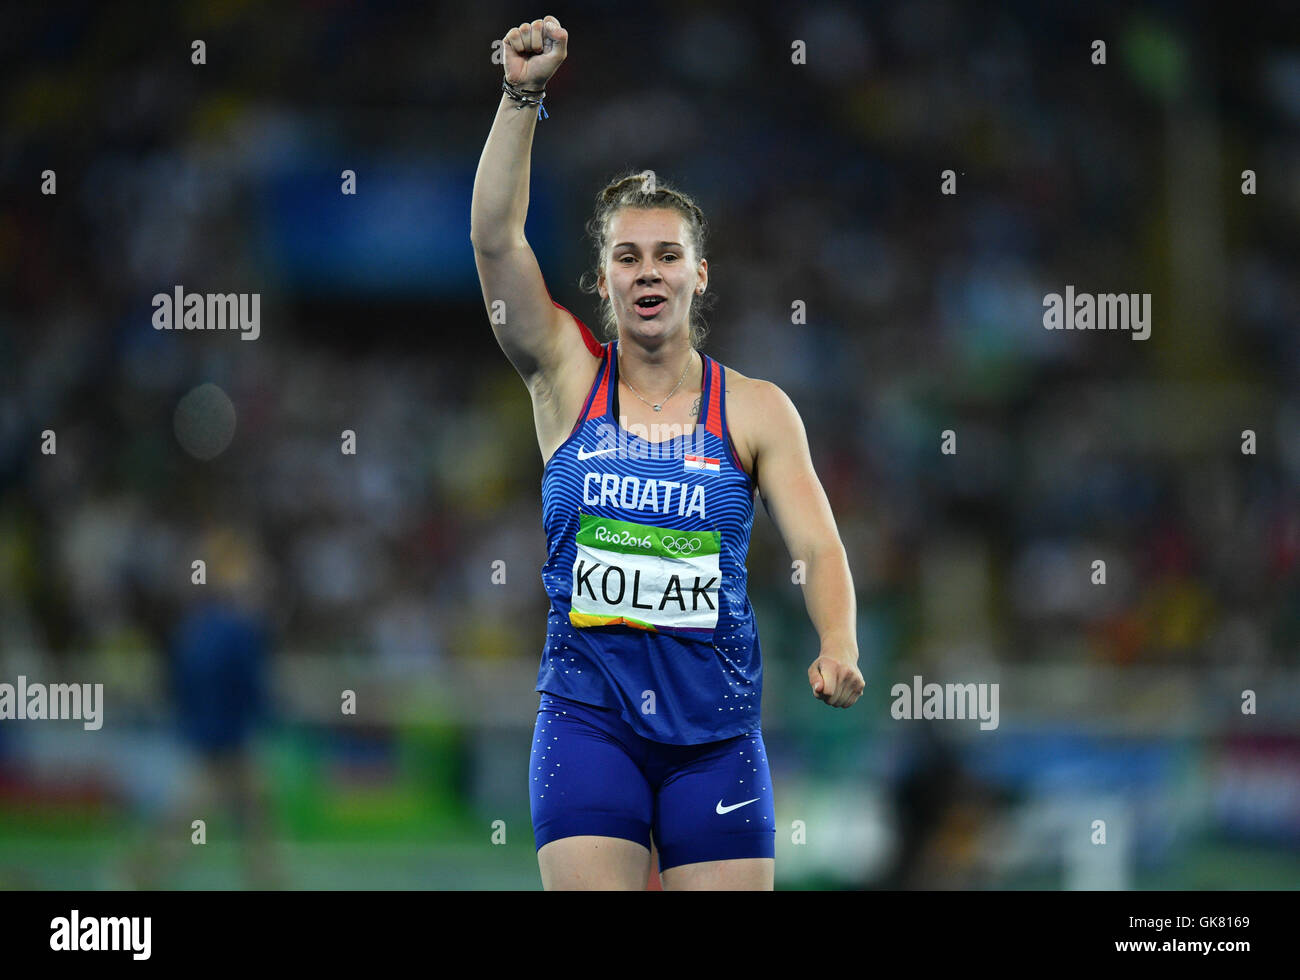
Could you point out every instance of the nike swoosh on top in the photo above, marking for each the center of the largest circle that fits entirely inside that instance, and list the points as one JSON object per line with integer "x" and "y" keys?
{"x": 582, "y": 454}
{"x": 728, "y": 809}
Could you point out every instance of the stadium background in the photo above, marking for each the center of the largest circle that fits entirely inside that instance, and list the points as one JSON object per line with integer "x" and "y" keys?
{"x": 373, "y": 572}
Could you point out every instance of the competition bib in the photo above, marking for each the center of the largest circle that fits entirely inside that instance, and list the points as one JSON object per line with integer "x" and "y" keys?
{"x": 653, "y": 578}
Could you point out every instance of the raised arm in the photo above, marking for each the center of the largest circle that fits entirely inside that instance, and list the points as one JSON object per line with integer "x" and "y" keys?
{"x": 528, "y": 326}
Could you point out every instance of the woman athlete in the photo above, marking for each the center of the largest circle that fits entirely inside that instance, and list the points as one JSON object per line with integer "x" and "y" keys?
{"x": 650, "y": 682}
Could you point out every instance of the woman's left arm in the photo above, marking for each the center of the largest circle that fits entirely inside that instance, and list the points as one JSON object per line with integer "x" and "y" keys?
{"x": 797, "y": 504}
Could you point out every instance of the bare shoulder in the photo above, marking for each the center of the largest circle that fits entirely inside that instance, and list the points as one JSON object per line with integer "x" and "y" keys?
{"x": 756, "y": 409}
{"x": 754, "y": 401}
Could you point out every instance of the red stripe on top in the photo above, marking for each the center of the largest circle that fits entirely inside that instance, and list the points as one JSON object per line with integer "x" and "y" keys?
{"x": 600, "y": 400}
{"x": 593, "y": 345}
{"x": 713, "y": 421}
{"x": 722, "y": 400}
{"x": 596, "y": 349}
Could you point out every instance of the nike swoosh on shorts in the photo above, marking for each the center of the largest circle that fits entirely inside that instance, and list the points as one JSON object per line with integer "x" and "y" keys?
{"x": 734, "y": 806}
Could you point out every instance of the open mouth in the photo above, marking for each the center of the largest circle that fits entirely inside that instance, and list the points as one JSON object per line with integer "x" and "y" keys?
{"x": 648, "y": 306}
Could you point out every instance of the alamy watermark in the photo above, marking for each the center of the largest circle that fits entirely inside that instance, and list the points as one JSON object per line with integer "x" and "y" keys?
{"x": 53, "y": 702}
{"x": 659, "y": 440}
{"x": 208, "y": 311}
{"x": 1099, "y": 311}
{"x": 102, "y": 933}
{"x": 945, "y": 701}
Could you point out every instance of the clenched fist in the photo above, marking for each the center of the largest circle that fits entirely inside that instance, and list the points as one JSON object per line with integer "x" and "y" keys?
{"x": 534, "y": 51}
{"x": 836, "y": 680}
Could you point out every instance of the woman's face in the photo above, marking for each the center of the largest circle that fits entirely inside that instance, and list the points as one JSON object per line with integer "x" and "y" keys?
{"x": 651, "y": 255}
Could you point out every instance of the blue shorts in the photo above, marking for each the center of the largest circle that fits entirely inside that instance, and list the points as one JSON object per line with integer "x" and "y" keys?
{"x": 592, "y": 774}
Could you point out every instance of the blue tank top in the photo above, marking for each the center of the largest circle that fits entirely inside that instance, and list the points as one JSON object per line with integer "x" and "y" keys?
{"x": 646, "y": 543}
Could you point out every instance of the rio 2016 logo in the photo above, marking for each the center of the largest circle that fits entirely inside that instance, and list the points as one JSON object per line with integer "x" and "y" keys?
{"x": 669, "y": 543}
{"x": 623, "y": 538}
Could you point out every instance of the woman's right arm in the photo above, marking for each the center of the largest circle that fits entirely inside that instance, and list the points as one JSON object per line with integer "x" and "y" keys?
{"x": 528, "y": 326}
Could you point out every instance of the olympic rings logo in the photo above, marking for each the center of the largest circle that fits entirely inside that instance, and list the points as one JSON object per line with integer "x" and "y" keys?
{"x": 681, "y": 546}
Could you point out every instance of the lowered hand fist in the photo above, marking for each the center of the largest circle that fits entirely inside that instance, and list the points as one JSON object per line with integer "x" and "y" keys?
{"x": 836, "y": 682}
